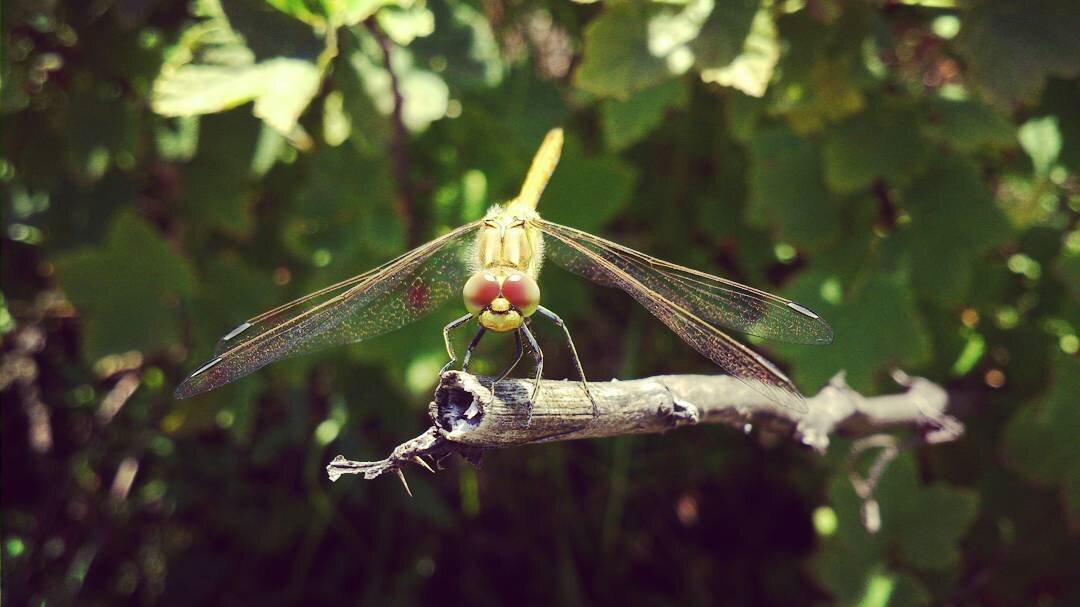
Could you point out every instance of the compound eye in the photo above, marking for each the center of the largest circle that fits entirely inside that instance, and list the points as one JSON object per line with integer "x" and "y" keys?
{"x": 522, "y": 292}
{"x": 479, "y": 291}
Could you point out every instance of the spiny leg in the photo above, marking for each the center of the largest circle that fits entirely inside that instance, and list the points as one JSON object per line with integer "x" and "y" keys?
{"x": 553, "y": 317}
{"x": 517, "y": 359}
{"x": 472, "y": 346}
{"x": 446, "y": 339}
{"x": 519, "y": 351}
{"x": 538, "y": 355}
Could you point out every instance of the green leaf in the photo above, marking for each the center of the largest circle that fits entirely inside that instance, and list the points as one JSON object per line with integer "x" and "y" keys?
{"x": 217, "y": 186}
{"x": 743, "y": 113}
{"x": 127, "y": 290}
{"x": 1062, "y": 100}
{"x": 1013, "y": 47}
{"x": 1040, "y": 440}
{"x": 347, "y": 200}
{"x": 617, "y": 59}
{"x": 1067, "y": 268}
{"x": 98, "y": 131}
{"x": 930, "y": 542}
{"x": 823, "y": 70}
{"x": 877, "y": 144}
{"x": 587, "y": 192}
{"x": 969, "y": 125}
{"x": 924, "y": 522}
{"x": 954, "y": 220}
{"x": 752, "y": 69}
{"x": 787, "y": 189}
{"x": 626, "y": 121}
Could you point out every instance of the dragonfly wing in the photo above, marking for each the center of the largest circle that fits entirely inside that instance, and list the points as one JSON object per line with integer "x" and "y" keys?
{"x": 258, "y": 325}
{"x": 376, "y": 302}
{"x": 716, "y": 300}
{"x": 571, "y": 250}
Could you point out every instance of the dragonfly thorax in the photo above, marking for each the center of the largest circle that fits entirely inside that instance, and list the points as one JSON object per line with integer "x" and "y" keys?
{"x": 507, "y": 239}
{"x": 501, "y": 298}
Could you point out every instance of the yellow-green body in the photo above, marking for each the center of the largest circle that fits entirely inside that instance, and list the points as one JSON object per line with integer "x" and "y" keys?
{"x": 509, "y": 242}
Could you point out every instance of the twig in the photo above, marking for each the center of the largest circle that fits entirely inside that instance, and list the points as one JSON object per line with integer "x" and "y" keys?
{"x": 399, "y": 144}
{"x": 469, "y": 419}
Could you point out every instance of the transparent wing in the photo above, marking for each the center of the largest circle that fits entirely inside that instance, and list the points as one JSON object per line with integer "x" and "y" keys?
{"x": 716, "y": 300}
{"x": 376, "y": 302}
{"x": 691, "y": 303}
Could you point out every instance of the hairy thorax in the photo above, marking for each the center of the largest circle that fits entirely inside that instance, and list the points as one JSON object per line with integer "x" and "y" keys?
{"x": 508, "y": 241}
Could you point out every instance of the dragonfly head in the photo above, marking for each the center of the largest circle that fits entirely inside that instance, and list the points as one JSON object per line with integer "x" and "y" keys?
{"x": 501, "y": 300}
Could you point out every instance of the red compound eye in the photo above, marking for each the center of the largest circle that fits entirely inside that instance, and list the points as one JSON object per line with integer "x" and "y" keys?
{"x": 479, "y": 291}
{"x": 522, "y": 292}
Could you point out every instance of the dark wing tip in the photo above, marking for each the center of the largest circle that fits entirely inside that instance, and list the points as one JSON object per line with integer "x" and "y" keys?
{"x": 182, "y": 391}
{"x": 189, "y": 388}
{"x": 826, "y": 334}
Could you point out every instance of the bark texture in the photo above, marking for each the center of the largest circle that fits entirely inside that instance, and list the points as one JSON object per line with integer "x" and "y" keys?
{"x": 469, "y": 417}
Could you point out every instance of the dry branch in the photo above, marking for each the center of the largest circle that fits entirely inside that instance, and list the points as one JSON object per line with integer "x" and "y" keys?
{"x": 469, "y": 418}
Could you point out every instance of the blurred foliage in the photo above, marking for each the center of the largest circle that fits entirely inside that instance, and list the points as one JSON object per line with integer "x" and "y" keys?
{"x": 908, "y": 168}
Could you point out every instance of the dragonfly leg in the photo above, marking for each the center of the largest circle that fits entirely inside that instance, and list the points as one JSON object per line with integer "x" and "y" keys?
{"x": 472, "y": 346}
{"x": 519, "y": 351}
{"x": 553, "y": 317}
{"x": 538, "y": 355}
{"x": 446, "y": 339}
{"x": 517, "y": 359}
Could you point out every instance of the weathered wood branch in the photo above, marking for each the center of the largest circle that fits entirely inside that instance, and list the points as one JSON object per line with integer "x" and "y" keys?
{"x": 469, "y": 418}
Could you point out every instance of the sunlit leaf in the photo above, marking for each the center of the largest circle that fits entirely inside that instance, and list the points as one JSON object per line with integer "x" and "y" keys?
{"x": 751, "y": 70}
{"x": 721, "y": 37}
{"x": 213, "y": 70}
{"x": 1041, "y": 139}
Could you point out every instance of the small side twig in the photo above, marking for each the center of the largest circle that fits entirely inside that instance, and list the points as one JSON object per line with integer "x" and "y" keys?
{"x": 469, "y": 417}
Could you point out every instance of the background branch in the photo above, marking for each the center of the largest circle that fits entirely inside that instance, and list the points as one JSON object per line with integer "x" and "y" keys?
{"x": 399, "y": 143}
{"x": 469, "y": 418}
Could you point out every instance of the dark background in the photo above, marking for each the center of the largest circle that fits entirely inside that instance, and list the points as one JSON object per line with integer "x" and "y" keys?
{"x": 908, "y": 169}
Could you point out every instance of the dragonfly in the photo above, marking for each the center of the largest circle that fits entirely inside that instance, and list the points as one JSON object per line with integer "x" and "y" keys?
{"x": 493, "y": 264}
